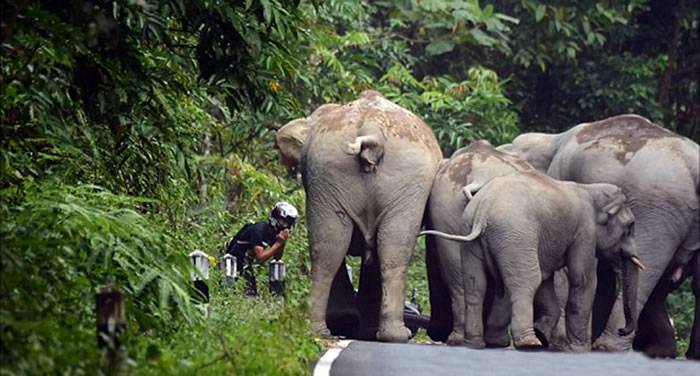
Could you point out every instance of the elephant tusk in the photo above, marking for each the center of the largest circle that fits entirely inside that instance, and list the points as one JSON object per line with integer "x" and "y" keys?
{"x": 637, "y": 262}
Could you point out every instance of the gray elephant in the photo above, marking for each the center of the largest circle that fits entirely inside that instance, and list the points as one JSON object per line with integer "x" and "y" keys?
{"x": 342, "y": 315}
{"x": 290, "y": 139}
{"x": 367, "y": 168}
{"x": 658, "y": 172}
{"x": 525, "y": 226}
{"x": 457, "y": 181}
{"x": 655, "y": 332}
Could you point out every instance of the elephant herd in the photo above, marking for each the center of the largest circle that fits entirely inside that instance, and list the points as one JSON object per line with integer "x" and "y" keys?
{"x": 568, "y": 241}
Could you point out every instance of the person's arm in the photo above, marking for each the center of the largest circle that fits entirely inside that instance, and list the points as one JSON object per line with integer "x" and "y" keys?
{"x": 264, "y": 254}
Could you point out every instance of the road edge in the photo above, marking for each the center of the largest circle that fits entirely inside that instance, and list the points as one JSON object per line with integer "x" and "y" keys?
{"x": 323, "y": 366}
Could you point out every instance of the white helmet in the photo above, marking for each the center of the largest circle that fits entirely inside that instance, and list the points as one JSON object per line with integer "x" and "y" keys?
{"x": 283, "y": 215}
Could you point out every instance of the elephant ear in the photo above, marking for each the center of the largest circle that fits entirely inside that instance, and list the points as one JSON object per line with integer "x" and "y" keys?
{"x": 290, "y": 139}
{"x": 614, "y": 203}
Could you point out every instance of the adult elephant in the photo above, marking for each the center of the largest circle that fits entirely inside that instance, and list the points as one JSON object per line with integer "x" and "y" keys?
{"x": 342, "y": 314}
{"x": 367, "y": 168}
{"x": 290, "y": 139}
{"x": 658, "y": 172}
{"x": 457, "y": 181}
{"x": 656, "y": 335}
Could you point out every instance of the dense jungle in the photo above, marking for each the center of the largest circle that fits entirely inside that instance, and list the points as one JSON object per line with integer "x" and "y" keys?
{"x": 136, "y": 131}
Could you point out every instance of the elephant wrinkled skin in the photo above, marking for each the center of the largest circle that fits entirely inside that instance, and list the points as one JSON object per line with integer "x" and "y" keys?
{"x": 458, "y": 179}
{"x": 524, "y": 226}
{"x": 658, "y": 172}
{"x": 367, "y": 169}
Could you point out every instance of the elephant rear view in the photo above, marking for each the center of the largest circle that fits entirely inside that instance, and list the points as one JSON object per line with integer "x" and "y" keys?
{"x": 457, "y": 180}
{"x": 367, "y": 168}
{"x": 525, "y": 226}
{"x": 657, "y": 170}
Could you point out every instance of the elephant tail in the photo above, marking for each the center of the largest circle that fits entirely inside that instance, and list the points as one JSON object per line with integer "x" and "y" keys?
{"x": 368, "y": 145}
{"x": 476, "y": 231}
{"x": 470, "y": 190}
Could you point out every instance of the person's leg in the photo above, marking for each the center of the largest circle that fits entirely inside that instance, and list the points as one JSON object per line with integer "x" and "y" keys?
{"x": 251, "y": 285}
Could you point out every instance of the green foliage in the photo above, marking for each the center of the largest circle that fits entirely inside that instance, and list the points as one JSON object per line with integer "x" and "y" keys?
{"x": 550, "y": 32}
{"x": 608, "y": 58}
{"x": 110, "y": 94}
{"x": 133, "y": 132}
{"x": 242, "y": 336}
{"x": 680, "y": 308}
{"x": 359, "y": 51}
{"x": 458, "y": 112}
{"x": 615, "y": 85}
{"x": 62, "y": 242}
{"x": 444, "y": 25}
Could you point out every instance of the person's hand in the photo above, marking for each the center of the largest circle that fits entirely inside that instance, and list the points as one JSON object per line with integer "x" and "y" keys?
{"x": 283, "y": 235}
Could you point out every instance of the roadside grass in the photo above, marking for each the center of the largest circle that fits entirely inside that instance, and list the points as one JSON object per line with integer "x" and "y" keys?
{"x": 241, "y": 336}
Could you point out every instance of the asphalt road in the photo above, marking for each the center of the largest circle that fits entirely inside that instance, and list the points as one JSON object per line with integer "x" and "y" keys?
{"x": 386, "y": 359}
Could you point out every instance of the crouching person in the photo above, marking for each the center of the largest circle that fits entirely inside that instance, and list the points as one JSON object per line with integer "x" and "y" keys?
{"x": 258, "y": 242}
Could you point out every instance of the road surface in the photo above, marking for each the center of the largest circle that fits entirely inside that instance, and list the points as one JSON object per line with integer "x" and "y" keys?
{"x": 360, "y": 358}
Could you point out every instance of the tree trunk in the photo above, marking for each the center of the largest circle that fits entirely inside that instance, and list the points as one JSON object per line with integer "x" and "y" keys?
{"x": 664, "y": 93}
{"x": 202, "y": 179}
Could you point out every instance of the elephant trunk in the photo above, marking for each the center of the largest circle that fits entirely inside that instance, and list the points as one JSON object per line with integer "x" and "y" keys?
{"x": 631, "y": 266}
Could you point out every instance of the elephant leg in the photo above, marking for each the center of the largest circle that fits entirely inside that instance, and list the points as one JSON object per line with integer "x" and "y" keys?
{"x": 655, "y": 335}
{"x": 520, "y": 270}
{"x": 474, "y": 279}
{"x": 605, "y": 296}
{"x": 557, "y": 341}
{"x": 547, "y": 311}
{"x": 342, "y": 316}
{"x": 694, "y": 346}
{"x": 369, "y": 299}
{"x": 497, "y": 318}
{"x": 656, "y": 254}
{"x": 395, "y": 241}
{"x": 581, "y": 266}
{"x": 451, "y": 266}
{"x": 440, "y": 324}
{"x": 329, "y": 240}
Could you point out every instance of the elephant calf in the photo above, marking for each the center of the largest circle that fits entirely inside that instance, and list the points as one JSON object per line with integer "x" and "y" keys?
{"x": 457, "y": 181}
{"x": 524, "y": 226}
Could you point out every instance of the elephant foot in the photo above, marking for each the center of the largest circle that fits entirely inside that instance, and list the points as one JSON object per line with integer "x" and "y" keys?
{"x": 557, "y": 345}
{"x": 438, "y": 333}
{"x": 659, "y": 351}
{"x": 577, "y": 347}
{"x": 611, "y": 344}
{"x": 321, "y": 329}
{"x": 344, "y": 326}
{"x": 543, "y": 336}
{"x": 368, "y": 333}
{"x": 499, "y": 341}
{"x": 528, "y": 342}
{"x": 455, "y": 339}
{"x": 474, "y": 343}
{"x": 693, "y": 353}
{"x": 393, "y": 333}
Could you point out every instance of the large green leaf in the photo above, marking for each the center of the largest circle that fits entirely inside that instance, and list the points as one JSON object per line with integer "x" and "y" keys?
{"x": 439, "y": 47}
